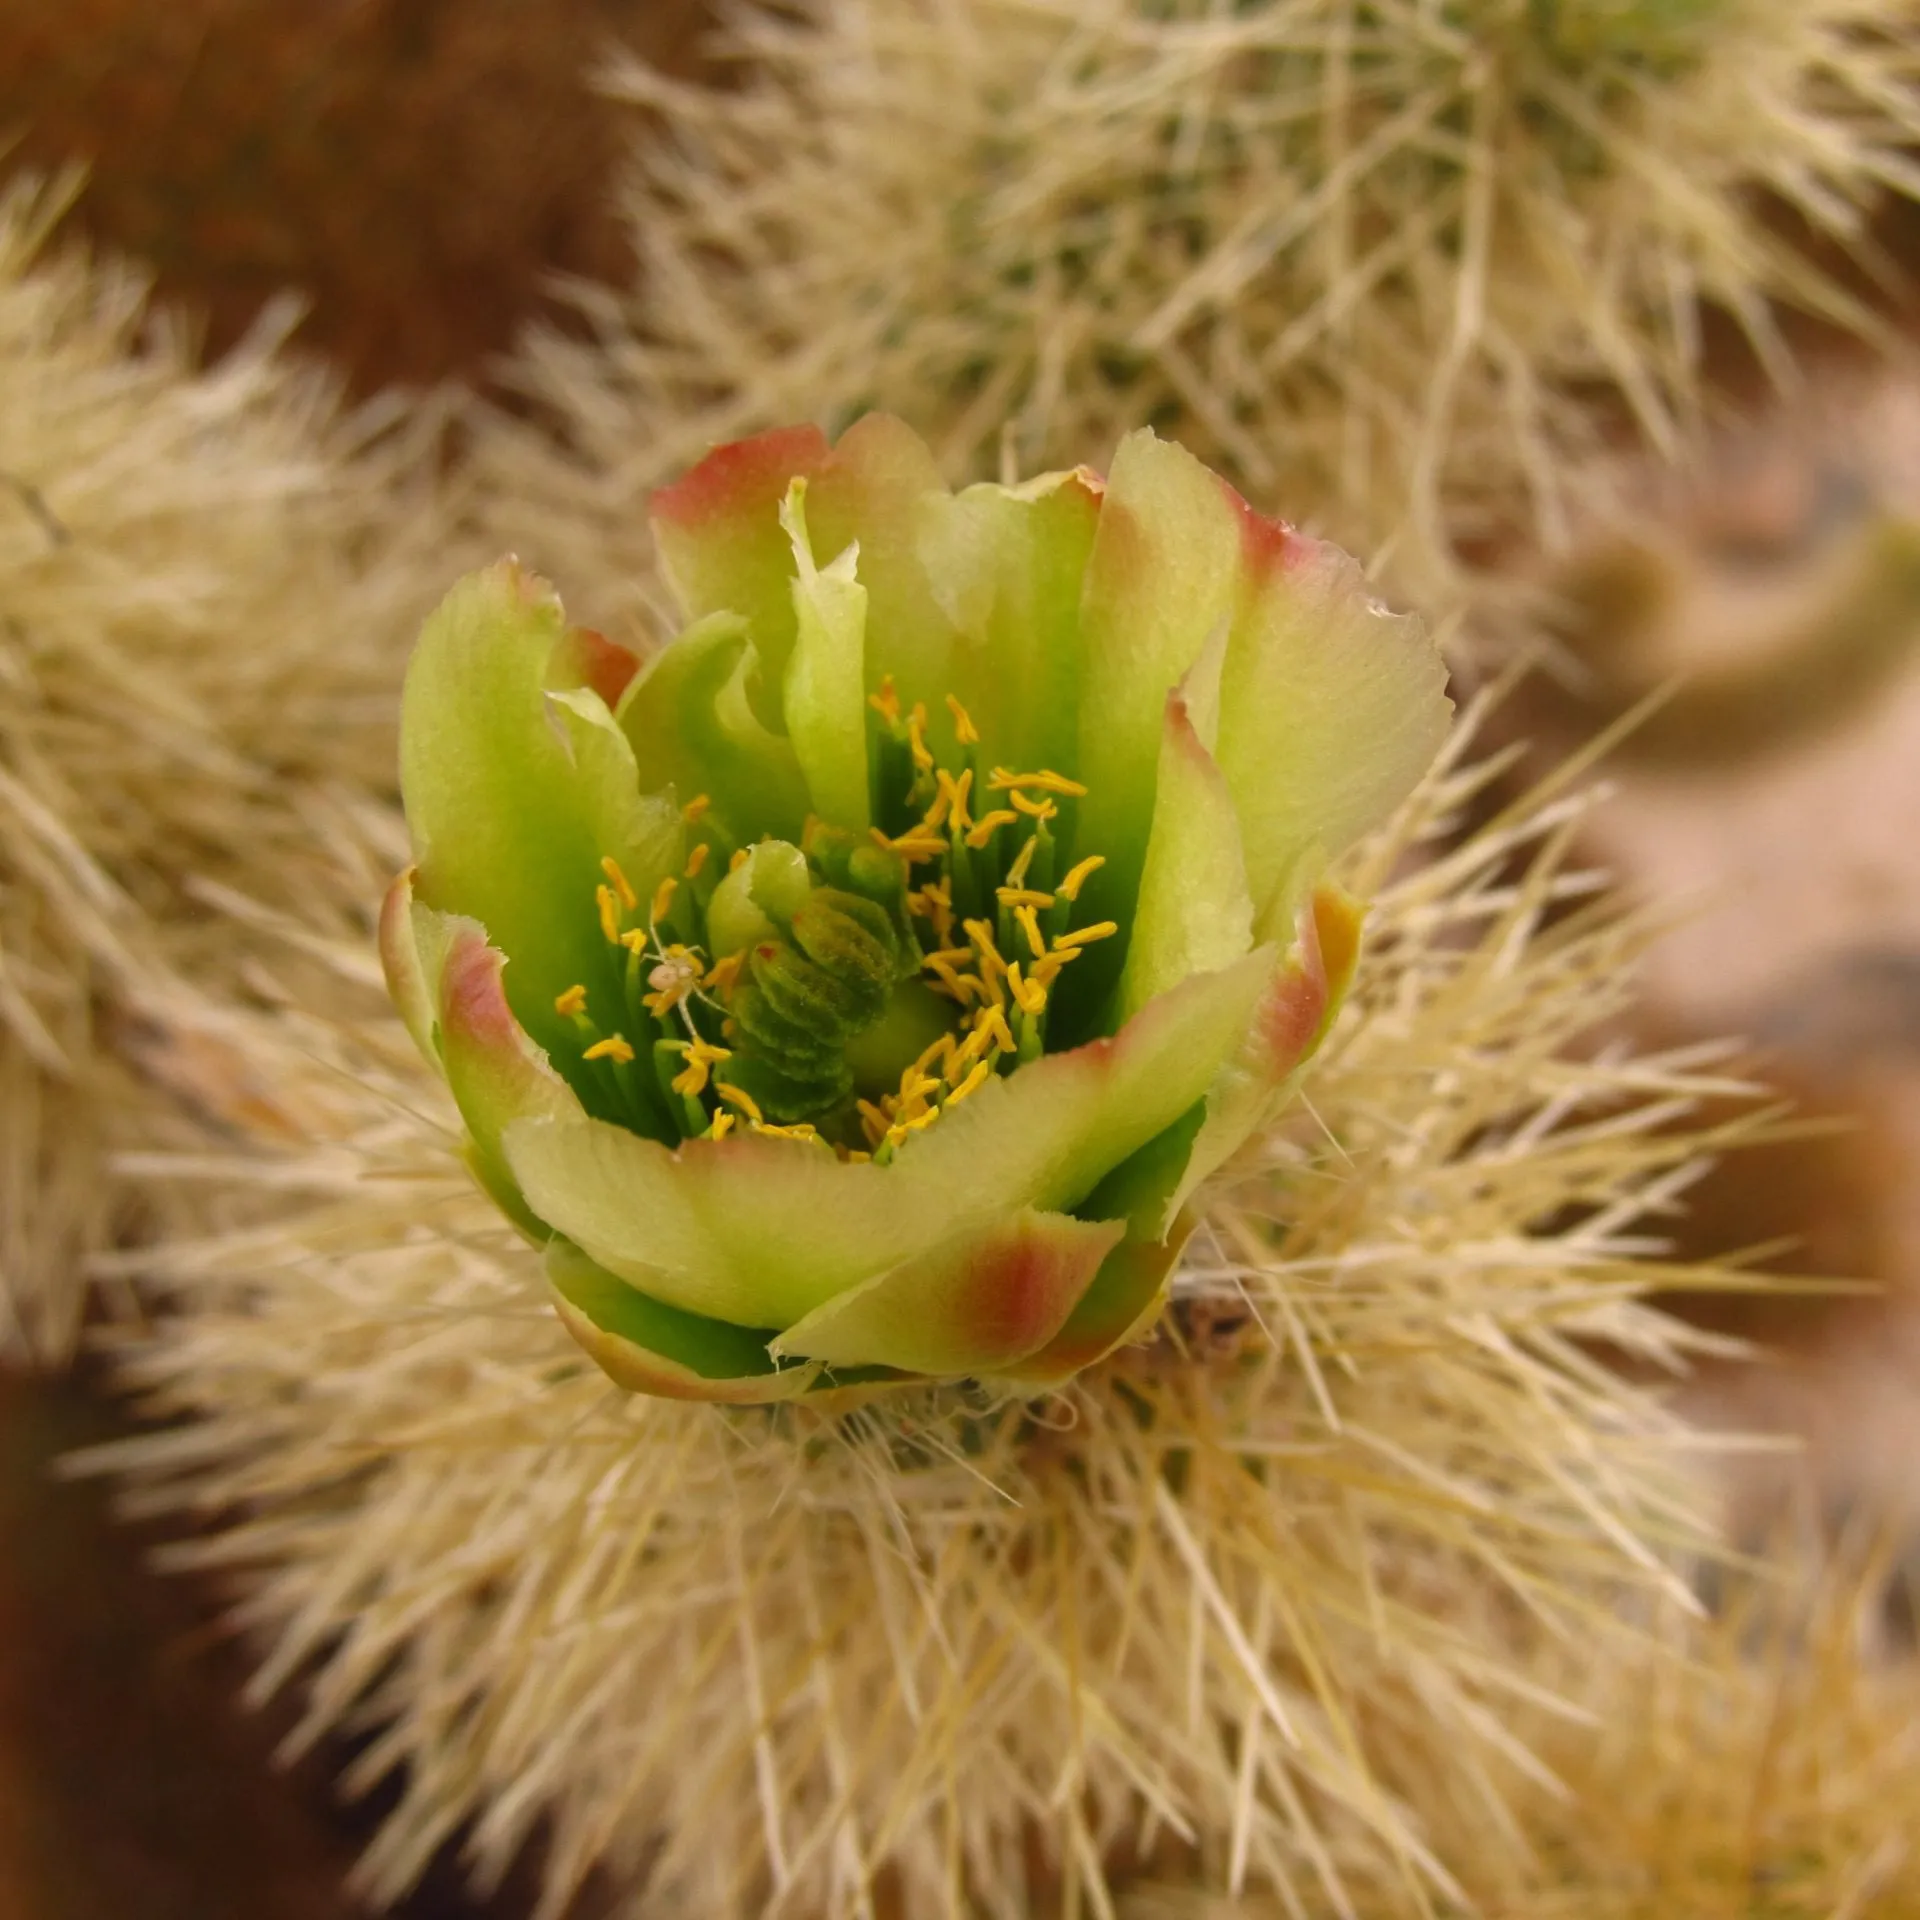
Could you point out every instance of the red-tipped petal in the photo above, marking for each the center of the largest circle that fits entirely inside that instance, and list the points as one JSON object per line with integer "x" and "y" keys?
{"x": 977, "y": 1305}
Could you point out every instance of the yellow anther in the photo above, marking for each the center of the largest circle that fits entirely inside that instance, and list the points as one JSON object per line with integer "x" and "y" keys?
{"x": 955, "y": 792}
{"x": 973, "y": 1047}
{"x": 916, "y": 741}
{"x": 1085, "y": 936}
{"x": 1017, "y": 873}
{"x": 613, "y": 1048}
{"x": 952, "y": 955}
{"x": 663, "y": 899}
{"x": 982, "y": 1071}
{"x": 741, "y": 855}
{"x": 1050, "y": 966}
{"x": 853, "y": 1157}
{"x": 914, "y": 846}
{"x": 1028, "y": 995}
{"x": 1005, "y": 780}
{"x": 635, "y": 941}
{"x": 1017, "y": 897}
{"x": 573, "y": 1001}
{"x": 701, "y": 1059}
{"x": 886, "y": 703}
{"x": 874, "y": 1121}
{"x": 1042, "y": 809}
{"x": 695, "y": 807}
{"x": 723, "y": 973}
{"x": 941, "y": 1050}
{"x": 988, "y": 825}
{"x": 739, "y": 1097}
{"x": 901, "y": 1128}
{"x": 942, "y": 803}
{"x": 621, "y": 884}
{"x": 1030, "y": 926}
{"x": 697, "y": 859}
{"x": 722, "y": 1126}
{"x": 801, "y": 1130}
{"x": 1069, "y": 888}
{"x": 962, "y": 986}
{"x": 993, "y": 1023}
{"x": 609, "y": 912}
{"x": 964, "y": 729}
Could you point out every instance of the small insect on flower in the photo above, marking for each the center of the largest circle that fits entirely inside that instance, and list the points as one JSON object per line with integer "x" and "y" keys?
{"x": 858, "y": 993}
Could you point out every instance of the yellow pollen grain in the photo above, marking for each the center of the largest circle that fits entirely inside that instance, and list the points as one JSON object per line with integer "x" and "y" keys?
{"x": 573, "y": 1001}
{"x": 1078, "y": 875}
{"x": 621, "y": 884}
{"x": 739, "y": 1097}
{"x": 663, "y": 898}
{"x": 1030, "y": 926}
{"x": 982, "y": 1070}
{"x": 988, "y": 825}
{"x": 964, "y": 730}
{"x": 1085, "y": 936}
{"x": 695, "y": 807}
{"x": 722, "y": 1126}
{"x": 916, "y": 743}
{"x": 609, "y": 912}
{"x": 1005, "y": 780}
{"x": 635, "y": 941}
{"x": 696, "y": 860}
{"x": 1042, "y": 809}
{"x": 886, "y": 703}
{"x": 741, "y": 855}
{"x": 613, "y": 1047}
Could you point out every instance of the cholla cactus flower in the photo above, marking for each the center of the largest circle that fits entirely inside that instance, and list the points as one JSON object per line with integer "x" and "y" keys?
{"x": 855, "y": 992}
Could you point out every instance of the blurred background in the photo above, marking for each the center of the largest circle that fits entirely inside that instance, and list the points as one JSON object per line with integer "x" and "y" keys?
{"x": 424, "y": 173}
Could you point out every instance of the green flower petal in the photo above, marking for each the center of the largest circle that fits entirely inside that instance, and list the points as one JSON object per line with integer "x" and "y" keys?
{"x": 825, "y": 693}
{"x": 1007, "y": 565}
{"x": 692, "y": 726}
{"x": 718, "y": 531}
{"x": 872, "y": 490}
{"x": 712, "y": 1228}
{"x": 976, "y": 1305}
{"x": 515, "y": 792}
{"x": 447, "y": 980}
{"x": 1128, "y": 1295}
{"x": 1331, "y": 709}
{"x": 650, "y": 1348}
{"x": 1162, "y": 576}
{"x": 1299, "y": 1005}
{"x": 1193, "y": 913}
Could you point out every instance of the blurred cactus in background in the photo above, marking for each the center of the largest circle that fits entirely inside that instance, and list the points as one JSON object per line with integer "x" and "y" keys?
{"x": 207, "y": 576}
{"x": 1391, "y": 266}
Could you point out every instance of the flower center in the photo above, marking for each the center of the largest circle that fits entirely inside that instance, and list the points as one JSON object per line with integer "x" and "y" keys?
{"x": 846, "y": 991}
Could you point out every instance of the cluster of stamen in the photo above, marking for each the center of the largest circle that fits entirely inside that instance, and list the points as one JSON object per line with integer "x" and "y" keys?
{"x": 999, "y": 962}
{"x": 991, "y": 934}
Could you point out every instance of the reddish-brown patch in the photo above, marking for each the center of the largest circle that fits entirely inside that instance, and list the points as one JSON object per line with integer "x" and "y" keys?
{"x": 585, "y": 658}
{"x": 1267, "y": 543}
{"x": 742, "y": 476}
{"x": 1020, "y": 1289}
{"x": 1295, "y": 1003}
{"x": 473, "y": 998}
